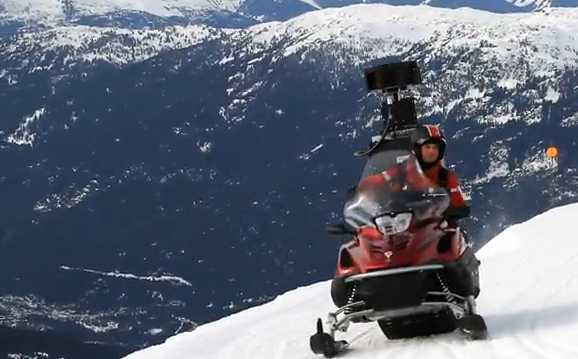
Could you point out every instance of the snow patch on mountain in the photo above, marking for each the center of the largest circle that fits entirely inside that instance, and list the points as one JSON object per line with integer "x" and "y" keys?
{"x": 498, "y": 155}
{"x": 163, "y": 278}
{"x": 307, "y": 155}
{"x": 570, "y": 121}
{"x": 25, "y": 134}
{"x": 312, "y": 3}
{"x": 552, "y": 95}
{"x": 86, "y": 44}
{"x": 205, "y": 147}
{"x": 538, "y": 161}
{"x": 72, "y": 197}
{"x": 508, "y": 83}
{"x": 21, "y": 311}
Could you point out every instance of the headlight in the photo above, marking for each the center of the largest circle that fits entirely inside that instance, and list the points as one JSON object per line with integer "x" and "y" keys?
{"x": 394, "y": 223}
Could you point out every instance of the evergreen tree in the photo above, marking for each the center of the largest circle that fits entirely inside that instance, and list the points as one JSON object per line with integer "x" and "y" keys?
{"x": 68, "y": 9}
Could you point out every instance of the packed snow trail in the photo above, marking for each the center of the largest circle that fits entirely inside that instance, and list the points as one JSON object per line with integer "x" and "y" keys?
{"x": 529, "y": 281}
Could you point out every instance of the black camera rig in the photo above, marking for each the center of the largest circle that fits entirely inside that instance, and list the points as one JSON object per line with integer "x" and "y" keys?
{"x": 398, "y": 111}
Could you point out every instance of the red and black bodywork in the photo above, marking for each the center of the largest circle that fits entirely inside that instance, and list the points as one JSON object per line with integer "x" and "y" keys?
{"x": 395, "y": 262}
{"x": 416, "y": 250}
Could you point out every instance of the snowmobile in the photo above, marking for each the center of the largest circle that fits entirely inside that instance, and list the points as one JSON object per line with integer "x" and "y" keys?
{"x": 403, "y": 267}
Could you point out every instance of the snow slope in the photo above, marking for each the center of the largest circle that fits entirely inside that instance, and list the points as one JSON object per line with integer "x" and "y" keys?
{"x": 529, "y": 299}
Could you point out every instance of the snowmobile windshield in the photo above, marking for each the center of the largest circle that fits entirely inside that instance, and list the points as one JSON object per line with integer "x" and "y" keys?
{"x": 390, "y": 153}
{"x": 391, "y": 205}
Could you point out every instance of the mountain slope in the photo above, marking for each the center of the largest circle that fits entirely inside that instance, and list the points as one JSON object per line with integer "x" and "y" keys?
{"x": 226, "y": 13}
{"x": 529, "y": 298}
{"x": 122, "y": 13}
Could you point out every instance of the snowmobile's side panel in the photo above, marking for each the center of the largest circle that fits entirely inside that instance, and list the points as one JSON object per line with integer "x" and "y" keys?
{"x": 462, "y": 275}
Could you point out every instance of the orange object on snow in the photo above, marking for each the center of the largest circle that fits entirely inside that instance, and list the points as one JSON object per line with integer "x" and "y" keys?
{"x": 552, "y": 152}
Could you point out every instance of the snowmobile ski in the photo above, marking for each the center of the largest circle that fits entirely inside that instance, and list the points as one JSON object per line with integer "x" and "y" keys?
{"x": 473, "y": 326}
{"x": 323, "y": 343}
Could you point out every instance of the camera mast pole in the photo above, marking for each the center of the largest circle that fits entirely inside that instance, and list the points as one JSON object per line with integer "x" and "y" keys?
{"x": 398, "y": 111}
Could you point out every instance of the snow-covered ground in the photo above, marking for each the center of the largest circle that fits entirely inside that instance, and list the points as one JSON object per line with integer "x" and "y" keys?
{"x": 529, "y": 279}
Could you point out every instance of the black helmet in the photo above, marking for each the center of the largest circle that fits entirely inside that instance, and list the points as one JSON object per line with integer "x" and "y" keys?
{"x": 428, "y": 134}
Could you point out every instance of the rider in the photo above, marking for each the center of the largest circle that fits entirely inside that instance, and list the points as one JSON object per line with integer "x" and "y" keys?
{"x": 429, "y": 147}
{"x": 421, "y": 171}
